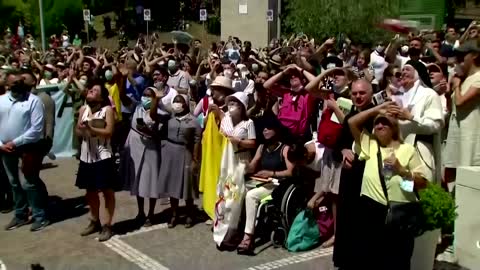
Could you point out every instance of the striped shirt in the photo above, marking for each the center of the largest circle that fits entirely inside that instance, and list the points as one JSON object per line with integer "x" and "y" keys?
{"x": 95, "y": 148}
{"x": 244, "y": 130}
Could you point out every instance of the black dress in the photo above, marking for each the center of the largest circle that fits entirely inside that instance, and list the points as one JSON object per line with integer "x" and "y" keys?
{"x": 348, "y": 213}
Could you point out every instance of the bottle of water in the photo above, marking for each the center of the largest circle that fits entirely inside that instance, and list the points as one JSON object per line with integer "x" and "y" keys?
{"x": 387, "y": 171}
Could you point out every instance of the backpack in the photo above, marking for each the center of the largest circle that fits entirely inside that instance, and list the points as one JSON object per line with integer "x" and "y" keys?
{"x": 328, "y": 131}
{"x": 294, "y": 112}
{"x": 202, "y": 117}
{"x": 325, "y": 222}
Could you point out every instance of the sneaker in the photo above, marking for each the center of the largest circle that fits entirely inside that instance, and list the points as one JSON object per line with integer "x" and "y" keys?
{"x": 16, "y": 223}
{"x": 140, "y": 219}
{"x": 106, "y": 233}
{"x": 51, "y": 156}
{"x": 39, "y": 225}
{"x": 209, "y": 222}
{"x": 92, "y": 228}
{"x": 189, "y": 223}
{"x": 147, "y": 223}
{"x": 448, "y": 256}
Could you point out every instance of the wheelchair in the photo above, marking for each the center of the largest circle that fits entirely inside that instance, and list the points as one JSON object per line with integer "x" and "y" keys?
{"x": 275, "y": 214}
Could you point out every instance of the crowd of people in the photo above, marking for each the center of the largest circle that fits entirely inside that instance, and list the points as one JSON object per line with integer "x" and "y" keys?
{"x": 351, "y": 116}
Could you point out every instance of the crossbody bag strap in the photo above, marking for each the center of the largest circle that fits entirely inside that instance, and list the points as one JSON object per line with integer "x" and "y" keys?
{"x": 380, "y": 174}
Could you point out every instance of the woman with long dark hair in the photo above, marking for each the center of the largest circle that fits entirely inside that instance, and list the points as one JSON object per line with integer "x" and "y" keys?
{"x": 96, "y": 172}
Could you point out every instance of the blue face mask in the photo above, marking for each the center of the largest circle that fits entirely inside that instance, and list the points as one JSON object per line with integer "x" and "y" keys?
{"x": 146, "y": 102}
{"x": 108, "y": 75}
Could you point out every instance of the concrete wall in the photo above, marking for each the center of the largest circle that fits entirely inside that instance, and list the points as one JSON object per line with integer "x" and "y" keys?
{"x": 471, "y": 11}
{"x": 252, "y": 26}
{"x": 467, "y": 225}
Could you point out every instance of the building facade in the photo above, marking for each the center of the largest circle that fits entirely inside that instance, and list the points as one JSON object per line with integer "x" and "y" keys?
{"x": 247, "y": 20}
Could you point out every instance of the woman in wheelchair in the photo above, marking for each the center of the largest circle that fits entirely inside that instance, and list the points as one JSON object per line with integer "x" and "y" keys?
{"x": 270, "y": 162}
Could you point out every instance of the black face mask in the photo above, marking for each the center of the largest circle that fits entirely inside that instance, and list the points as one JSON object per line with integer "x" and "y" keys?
{"x": 414, "y": 52}
{"x": 258, "y": 86}
{"x": 19, "y": 88}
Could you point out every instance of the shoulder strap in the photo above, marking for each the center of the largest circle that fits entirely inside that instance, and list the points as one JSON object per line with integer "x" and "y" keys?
{"x": 281, "y": 152}
{"x": 380, "y": 174}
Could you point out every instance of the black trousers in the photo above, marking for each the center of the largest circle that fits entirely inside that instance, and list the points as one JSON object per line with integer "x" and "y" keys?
{"x": 377, "y": 246}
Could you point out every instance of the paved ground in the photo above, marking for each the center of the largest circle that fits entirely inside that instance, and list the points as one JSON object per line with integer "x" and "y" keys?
{"x": 60, "y": 246}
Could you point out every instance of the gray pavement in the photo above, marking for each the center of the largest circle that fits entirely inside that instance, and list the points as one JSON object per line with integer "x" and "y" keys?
{"x": 60, "y": 246}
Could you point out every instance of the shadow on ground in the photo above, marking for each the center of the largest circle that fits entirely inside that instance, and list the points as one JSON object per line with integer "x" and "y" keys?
{"x": 131, "y": 225}
{"x": 447, "y": 266}
{"x": 64, "y": 209}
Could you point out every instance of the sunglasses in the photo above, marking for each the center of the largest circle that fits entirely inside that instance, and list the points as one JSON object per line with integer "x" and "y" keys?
{"x": 397, "y": 75}
{"x": 383, "y": 121}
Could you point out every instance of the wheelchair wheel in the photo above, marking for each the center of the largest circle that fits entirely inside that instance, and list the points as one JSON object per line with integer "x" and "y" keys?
{"x": 292, "y": 203}
{"x": 278, "y": 237}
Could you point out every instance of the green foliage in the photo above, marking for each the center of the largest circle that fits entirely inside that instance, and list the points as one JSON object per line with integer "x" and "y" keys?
{"x": 57, "y": 15}
{"x": 326, "y": 18}
{"x": 438, "y": 208}
{"x": 213, "y": 25}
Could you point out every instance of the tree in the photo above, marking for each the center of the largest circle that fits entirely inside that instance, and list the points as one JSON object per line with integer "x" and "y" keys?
{"x": 326, "y": 18}
{"x": 57, "y": 15}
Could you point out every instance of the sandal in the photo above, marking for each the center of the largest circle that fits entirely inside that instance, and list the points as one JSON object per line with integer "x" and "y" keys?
{"x": 329, "y": 243}
{"x": 246, "y": 247}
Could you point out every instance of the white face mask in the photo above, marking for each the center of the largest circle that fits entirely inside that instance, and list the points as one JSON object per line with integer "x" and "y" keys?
{"x": 177, "y": 107}
{"x": 232, "y": 109}
{"x": 380, "y": 49}
{"x": 405, "y": 49}
{"x": 83, "y": 82}
{"x": 228, "y": 73}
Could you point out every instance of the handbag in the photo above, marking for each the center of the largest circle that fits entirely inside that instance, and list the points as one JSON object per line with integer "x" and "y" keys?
{"x": 404, "y": 217}
{"x": 304, "y": 233}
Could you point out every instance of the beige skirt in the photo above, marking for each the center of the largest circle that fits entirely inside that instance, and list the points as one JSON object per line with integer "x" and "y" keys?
{"x": 329, "y": 179}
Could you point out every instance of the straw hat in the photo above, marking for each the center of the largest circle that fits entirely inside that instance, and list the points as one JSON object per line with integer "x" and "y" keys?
{"x": 276, "y": 60}
{"x": 223, "y": 82}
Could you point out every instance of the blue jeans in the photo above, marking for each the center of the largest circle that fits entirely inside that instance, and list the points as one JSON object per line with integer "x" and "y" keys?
{"x": 28, "y": 190}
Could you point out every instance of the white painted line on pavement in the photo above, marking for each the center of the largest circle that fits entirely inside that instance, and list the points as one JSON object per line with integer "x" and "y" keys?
{"x": 307, "y": 256}
{"x": 133, "y": 255}
{"x": 2, "y": 266}
{"x": 144, "y": 230}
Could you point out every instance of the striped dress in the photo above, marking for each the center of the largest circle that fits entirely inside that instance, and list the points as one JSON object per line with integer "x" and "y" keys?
{"x": 93, "y": 148}
{"x": 97, "y": 167}
{"x": 244, "y": 130}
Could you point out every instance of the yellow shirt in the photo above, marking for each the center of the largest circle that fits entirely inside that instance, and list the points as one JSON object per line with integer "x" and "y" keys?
{"x": 115, "y": 95}
{"x": 371, "y": 185}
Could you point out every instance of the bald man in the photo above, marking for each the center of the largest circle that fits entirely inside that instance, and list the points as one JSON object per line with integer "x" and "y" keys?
{"x": 351, "y": 178}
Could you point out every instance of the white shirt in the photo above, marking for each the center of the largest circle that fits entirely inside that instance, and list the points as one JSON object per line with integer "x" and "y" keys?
{"x": 379, "y": 65}
{"x": 317, "y": 163}
{"x": 402, "y": 60}
{"x": 166, "y": 101}
{"x": 244, "y": 130}
{"x": 52, "y": 81}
